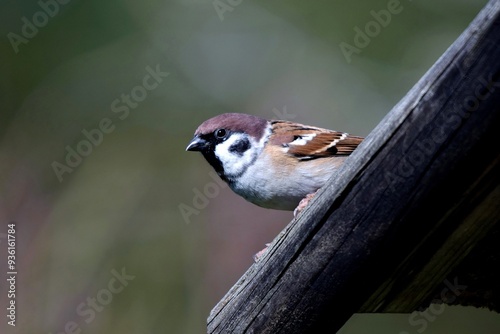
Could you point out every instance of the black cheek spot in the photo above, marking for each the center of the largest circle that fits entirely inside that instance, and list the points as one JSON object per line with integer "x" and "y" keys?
{"x": 240, "y": 147}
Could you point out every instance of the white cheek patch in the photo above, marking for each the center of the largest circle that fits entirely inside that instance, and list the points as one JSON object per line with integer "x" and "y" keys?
{"x": 235, "y": 163}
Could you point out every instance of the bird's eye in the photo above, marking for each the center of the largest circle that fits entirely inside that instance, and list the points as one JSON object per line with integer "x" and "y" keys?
{"x": 220, "y": 133}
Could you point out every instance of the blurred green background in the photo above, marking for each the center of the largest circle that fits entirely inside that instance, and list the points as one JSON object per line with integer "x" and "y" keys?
{"x": 102, "y": 244}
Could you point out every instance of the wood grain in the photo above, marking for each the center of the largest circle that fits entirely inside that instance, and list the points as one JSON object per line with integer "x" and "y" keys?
{"x": 408, "y": 207}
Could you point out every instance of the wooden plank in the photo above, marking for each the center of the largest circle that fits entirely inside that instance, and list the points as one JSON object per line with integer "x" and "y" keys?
{"x": 378, "y": 227}
{"x": 402, "y": 292}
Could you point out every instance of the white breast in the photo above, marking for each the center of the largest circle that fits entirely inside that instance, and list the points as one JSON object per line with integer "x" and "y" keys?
{"x": 277, "y": 187}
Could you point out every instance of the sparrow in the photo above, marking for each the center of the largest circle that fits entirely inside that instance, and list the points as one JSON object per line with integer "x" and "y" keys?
{"x": 274, "y": 164}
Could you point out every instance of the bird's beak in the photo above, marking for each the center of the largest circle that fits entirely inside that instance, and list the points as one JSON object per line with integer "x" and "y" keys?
{"x": 197, "y": 144}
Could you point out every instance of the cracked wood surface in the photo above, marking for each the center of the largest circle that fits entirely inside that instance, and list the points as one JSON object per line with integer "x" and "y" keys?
{"x": 412, "y": 202}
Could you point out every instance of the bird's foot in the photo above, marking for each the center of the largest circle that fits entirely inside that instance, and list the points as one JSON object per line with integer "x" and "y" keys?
{"x": 259, "y": 255}
{"x": 303, "y": 203}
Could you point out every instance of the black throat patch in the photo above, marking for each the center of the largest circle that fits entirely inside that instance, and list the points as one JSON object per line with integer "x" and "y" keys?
{"x": 215, "y": 163}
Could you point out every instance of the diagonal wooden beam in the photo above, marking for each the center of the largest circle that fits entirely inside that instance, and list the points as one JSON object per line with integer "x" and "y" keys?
{"x": 410, "y": 204}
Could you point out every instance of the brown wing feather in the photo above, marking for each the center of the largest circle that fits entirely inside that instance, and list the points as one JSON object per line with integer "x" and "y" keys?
{"x": 310, "y": 142}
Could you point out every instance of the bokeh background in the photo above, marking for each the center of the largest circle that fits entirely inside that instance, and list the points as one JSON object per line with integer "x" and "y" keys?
{"x": 130, "y": 206}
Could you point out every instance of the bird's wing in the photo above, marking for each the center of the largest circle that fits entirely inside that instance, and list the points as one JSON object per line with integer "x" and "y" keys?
{"x": 309, "y": 142}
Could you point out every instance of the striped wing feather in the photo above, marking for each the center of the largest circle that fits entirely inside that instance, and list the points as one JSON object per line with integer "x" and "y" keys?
{"x": 308, "y": 142}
